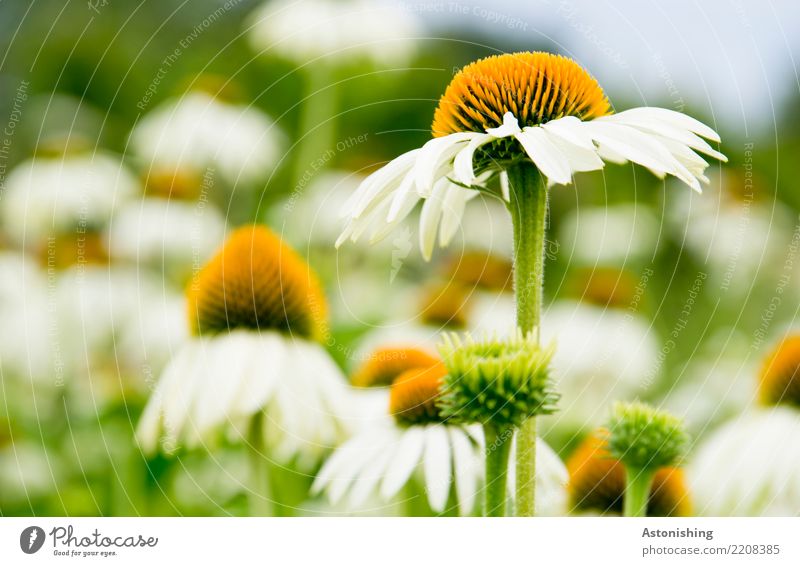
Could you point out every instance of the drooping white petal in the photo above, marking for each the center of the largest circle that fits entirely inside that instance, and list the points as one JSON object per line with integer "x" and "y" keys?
{"x": 677, "y": 119}
{"x": 436, "y": 464}
{"x": 265, "y": 370}
{"x": 219, "y": 380}
{"x": 405, "y": 460}
{"x": 466, "y": 470}
{"x": 361, "y": 451}
{"x": 462, "y": 164}
{"x": 405, "y": 197}
{"x": 376, "y": 184}
{"x": 570, "y": 128}
{"x": 453, "y": 211}
{"x": 429, "y": 218}
{"x": 179, "y": 390}
{"x": 435, "y": 154}
{"x": 578, "y": 157}
{"x": 369, "y": 478}
{"x": 545, "y": 155}
{"x": 666, "y": 129}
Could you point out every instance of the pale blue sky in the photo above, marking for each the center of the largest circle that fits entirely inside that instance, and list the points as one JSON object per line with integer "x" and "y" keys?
{"x": 736, "y": 60}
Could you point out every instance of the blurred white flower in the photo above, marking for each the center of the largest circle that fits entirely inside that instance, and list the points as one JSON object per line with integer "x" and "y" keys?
{"x": 749, "y": 466}
{"x": 258, "y": 313}
{"x": 304, "y": 30}
{"x": 26, "y": 332}
{"x": 73, "y": 193}
{"x": 175, "y": 234}
{"x": 602, "y": 355}
{"x": 199, "y": 132}
{"x": 738, "y": 234}
{"x": 609, "y": 235}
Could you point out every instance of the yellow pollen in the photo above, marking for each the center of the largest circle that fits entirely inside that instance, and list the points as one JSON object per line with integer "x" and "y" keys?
{"x": 385, "y": 364}
{"x": 597, "y": 483}
{"x": 481, "y": 270}
{"x": 780, "y": 376}
{"x": 256, "y": 281}
{"x": 413, "y": 396}
{"x": 534, "y": 87}
{"x": 445, "y": 305}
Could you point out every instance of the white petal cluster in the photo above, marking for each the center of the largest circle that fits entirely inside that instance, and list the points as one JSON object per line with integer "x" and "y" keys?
{"x": 222, "y": 381}
{"x": 750, "y": 466}
{"x": 47, "y": 195}
{"x": 198, "y": 131}
{"x": 663, "y": 141}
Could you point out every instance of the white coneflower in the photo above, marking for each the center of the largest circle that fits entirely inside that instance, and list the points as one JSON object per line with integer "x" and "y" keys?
{"x": 750, "y": 466}
{"x": 73, "y": 194}
{"x": 523, "y": 107}
{"x": 257, "y": 312}
{"x": 198, "y": 131}
{"x": 304, "y": 30}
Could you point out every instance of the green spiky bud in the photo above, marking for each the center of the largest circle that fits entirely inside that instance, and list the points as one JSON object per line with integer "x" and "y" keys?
{"x": 644, "y": 438}
{"x": 498, "y": 382}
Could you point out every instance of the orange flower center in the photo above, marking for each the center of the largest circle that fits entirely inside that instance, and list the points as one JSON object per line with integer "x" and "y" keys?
{"x": 385, "y": 364}
{"x": 258, "y": 282}
{"x": 534, "y": 87}
{"x": 597, "y": 483}
{"x": 780, "y": 379}
{"x": 414, "y": 394}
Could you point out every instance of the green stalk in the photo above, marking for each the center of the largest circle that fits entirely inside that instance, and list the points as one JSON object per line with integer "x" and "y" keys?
{"x": 498, "y": 448}
{"x": 317, "y": 128}
{"x": 259, "y": 492}
{"x": 637, "y": 492}
{"x": 528, "y": 208}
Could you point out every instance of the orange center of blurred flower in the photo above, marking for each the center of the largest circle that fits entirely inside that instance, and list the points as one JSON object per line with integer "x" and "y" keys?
{"x": 481, "y": 270}
{"x": 779, "y": 381}
{"x": 445, "y": 305}
{"x": 256, "y": 281}
{"x": 597, "y": 483}
{"x": 385, "y": 364}
{"x": 534, "y": 87}
{"x": 413, "y": 396}
{"x": 173, "y": 184}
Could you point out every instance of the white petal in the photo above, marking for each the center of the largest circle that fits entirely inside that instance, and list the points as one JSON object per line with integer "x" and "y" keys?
{"x": 436, "y": 464}
{"x": 676, "y": 118}
{"x": 466, "y": 468}
{"x": 180, "y": 375}
{"x": 509, "y": 128}
{"x": 545, "y": 155}
{"x": 433, "y": 155}
{"x": 404, "y": 196}
{"x": 360, "y": 454}
{"x": 376, "y": 185}
{"x": 266, "y": 368}
{"x": 578, "y": 157}
{"x": 462, "y": 165}
{"x": 429, "y": 218}
{"x": 223, "y": 374}
{"x": 453, "y": 211}
{"x": 405, "y": 460}
{"x": 370, "y": 477}
{"x": 570, "y": 129}
{"x": 665, "y": 129}
{"x": 505, "y": 190}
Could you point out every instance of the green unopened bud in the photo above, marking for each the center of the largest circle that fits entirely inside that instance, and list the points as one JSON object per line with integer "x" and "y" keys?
{"x": 498, "y": 382}
{"x": 644, "y": 438}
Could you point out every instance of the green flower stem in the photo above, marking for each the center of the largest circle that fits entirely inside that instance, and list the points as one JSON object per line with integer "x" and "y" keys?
{"x": 258, "y": 493}
{"x": 498, "y": 448}
{"x": 637, "y": 492}
{"x": 528, "y": 208}
{"x": 317, "y": 128}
